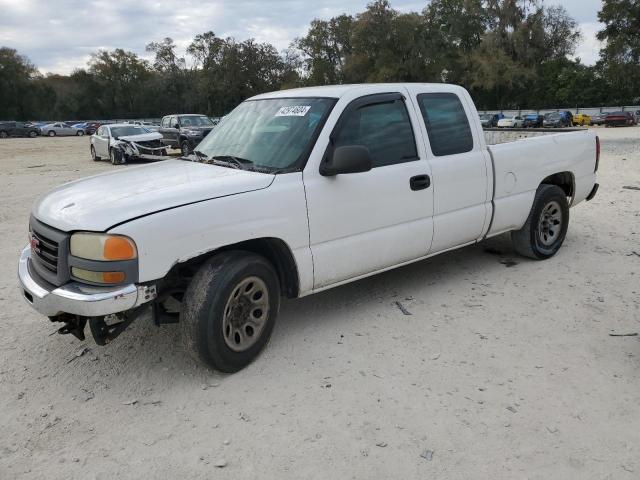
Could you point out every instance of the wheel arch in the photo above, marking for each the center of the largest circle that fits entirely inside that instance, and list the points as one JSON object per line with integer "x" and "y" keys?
{"x": 275, "y": 250}
{"x": 564, "y": 180}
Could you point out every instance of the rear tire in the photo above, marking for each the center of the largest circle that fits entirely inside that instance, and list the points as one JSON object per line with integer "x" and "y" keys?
{"x": 546, "y": 227}
{"x": 229, "y": 310}
{"x": 3, "y": 134}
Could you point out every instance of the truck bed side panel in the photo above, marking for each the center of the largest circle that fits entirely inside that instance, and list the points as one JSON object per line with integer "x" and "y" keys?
{"x": 521, "y": 166}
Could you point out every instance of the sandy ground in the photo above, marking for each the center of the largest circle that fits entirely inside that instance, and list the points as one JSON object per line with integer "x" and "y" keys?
{"x": 504, "y": 370}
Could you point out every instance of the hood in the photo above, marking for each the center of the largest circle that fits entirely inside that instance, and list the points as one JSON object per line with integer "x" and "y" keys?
{"x": 143, "y": 137}
{"x": 102, "y": 201}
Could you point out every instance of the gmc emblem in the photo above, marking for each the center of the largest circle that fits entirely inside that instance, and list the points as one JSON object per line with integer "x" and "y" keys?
{"x": 35, "y": 245}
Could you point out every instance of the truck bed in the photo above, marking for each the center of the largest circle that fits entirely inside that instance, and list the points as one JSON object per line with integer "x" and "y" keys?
{"x": 521, "y": 164}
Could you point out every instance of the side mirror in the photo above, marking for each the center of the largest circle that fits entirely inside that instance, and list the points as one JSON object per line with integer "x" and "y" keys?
{"x": 347, "y": 159}
{"x": 176, "y": 126}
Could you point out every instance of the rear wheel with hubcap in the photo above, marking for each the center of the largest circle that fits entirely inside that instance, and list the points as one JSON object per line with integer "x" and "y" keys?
{"x": 546, "y": 227}
{"x": 3, "y": 134}
{"x": 229, "y": 310}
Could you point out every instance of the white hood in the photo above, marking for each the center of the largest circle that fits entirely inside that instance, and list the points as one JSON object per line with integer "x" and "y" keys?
{"x": 97, "y": 203}
{"x": 143, "y": 137}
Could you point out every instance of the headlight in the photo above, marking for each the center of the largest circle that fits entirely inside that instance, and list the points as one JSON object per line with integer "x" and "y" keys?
{"x": 103, "y": 247}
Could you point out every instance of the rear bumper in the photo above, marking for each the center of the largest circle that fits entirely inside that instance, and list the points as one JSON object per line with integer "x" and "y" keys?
{"x": 76, "y": 298}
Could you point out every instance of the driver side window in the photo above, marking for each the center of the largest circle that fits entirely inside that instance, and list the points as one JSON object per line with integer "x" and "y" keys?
{"x": 384, "y": 128}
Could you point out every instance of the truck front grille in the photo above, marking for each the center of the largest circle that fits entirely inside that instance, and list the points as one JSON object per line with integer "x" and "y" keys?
{"x": 49, "y": 252}
{"x": 46, "y": 251}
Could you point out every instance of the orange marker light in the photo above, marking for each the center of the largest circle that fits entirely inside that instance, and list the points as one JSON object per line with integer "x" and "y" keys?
{"x": 118, "y": 248}
{"x": 113, "y": 277}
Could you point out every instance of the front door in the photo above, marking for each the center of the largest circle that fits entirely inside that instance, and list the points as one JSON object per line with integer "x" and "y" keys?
{"x": 360, "y": 223}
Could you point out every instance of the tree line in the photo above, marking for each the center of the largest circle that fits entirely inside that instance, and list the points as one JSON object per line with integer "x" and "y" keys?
{"x": 507, "y": 53}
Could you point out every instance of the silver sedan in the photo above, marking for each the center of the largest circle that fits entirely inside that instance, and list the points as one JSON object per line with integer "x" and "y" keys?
{"x": 61, "y": 129}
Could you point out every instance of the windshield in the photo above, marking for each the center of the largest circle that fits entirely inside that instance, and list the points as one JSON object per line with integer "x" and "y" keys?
{"x": 194, "y": 121}
{"x": 125, "y": 131}
{"x": 272, "y": 133}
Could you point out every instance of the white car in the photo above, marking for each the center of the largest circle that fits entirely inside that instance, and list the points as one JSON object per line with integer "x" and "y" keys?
{"x": 60, "y": 129}
{"x": 123, "y": 142}
{"x": 511, "y": 122}
{"x": 295, "y": 192}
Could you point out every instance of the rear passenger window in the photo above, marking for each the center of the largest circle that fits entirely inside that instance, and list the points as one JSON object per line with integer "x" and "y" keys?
{"x": 384, "y": 128}
{"x": 447, "y": 124}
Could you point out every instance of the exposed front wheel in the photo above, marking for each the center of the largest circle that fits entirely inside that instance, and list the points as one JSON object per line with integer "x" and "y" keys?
{"x": 115, "y": 156}
{"x": 3, "y": 134}
{"x": 229, "y": 310}
{"x": 79, "y": 133}
{"x": 52, "y": 133}
{"x": 546, "y": 227}
{"x": 33, "y": 134}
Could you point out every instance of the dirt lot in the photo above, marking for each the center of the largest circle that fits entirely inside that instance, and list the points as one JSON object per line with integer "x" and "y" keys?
{"x": 505, "y": 370}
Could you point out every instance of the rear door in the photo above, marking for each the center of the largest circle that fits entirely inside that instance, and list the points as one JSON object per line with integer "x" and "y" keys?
{"x": 460, "y": 164}
{"x": 360, "y": 223}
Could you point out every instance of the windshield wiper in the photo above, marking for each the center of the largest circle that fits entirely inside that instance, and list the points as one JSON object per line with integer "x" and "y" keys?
{"x": 241, "y": 163}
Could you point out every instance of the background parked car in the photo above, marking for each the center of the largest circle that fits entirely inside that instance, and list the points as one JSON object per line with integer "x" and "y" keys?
{"x": 581, "y": 119}
{"x": 511, "y": 122}
{"x": 59, "y": 128}
{"x": 620, "y": 119}
{"x": 558, "y": 119}
{"x": 533, "y": 121}
{"x": 598, "y": 119}
{"x": 489, "y": 120}
{"x": 185, "y": 131}
{"x": 18, "y": 129}
{"x": 124, "y": 142}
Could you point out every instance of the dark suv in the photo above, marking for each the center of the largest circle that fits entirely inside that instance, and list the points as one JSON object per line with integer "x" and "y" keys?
{"x": 18, "y": 129}
{"x": 184, "y": 131}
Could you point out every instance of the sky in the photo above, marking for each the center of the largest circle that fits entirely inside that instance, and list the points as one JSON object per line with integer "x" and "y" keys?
{"x": 60, "y": 35}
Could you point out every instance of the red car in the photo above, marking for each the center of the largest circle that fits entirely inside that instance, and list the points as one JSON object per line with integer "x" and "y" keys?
{"x": 622, "y": 119}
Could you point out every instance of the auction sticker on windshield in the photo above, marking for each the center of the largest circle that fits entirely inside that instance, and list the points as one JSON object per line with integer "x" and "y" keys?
{"x": 293, "y": 111}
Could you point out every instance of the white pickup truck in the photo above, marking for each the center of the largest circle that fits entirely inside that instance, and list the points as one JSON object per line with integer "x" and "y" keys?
{"x": 295, "y": 192}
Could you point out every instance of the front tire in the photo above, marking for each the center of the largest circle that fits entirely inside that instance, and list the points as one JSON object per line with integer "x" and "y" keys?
{"x": 546, "y": 227}
{"x": 229, "y": 310}
{"x": 51, "y": 133}
{"x": 185, "y": 148}
{"x": 79, "y": 133}
{"x": 3, "y": 134}
{"x": 115, "y": 156}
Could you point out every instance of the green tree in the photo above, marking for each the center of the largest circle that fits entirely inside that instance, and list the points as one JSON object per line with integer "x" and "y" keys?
{"x": 620, "y": 57}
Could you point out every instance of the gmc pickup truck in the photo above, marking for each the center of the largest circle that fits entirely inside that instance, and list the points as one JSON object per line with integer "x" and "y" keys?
{"x": 295, "y": 192}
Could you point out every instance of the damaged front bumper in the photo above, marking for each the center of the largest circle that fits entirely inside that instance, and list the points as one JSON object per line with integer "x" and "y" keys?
{"x": 79, "y": 299}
